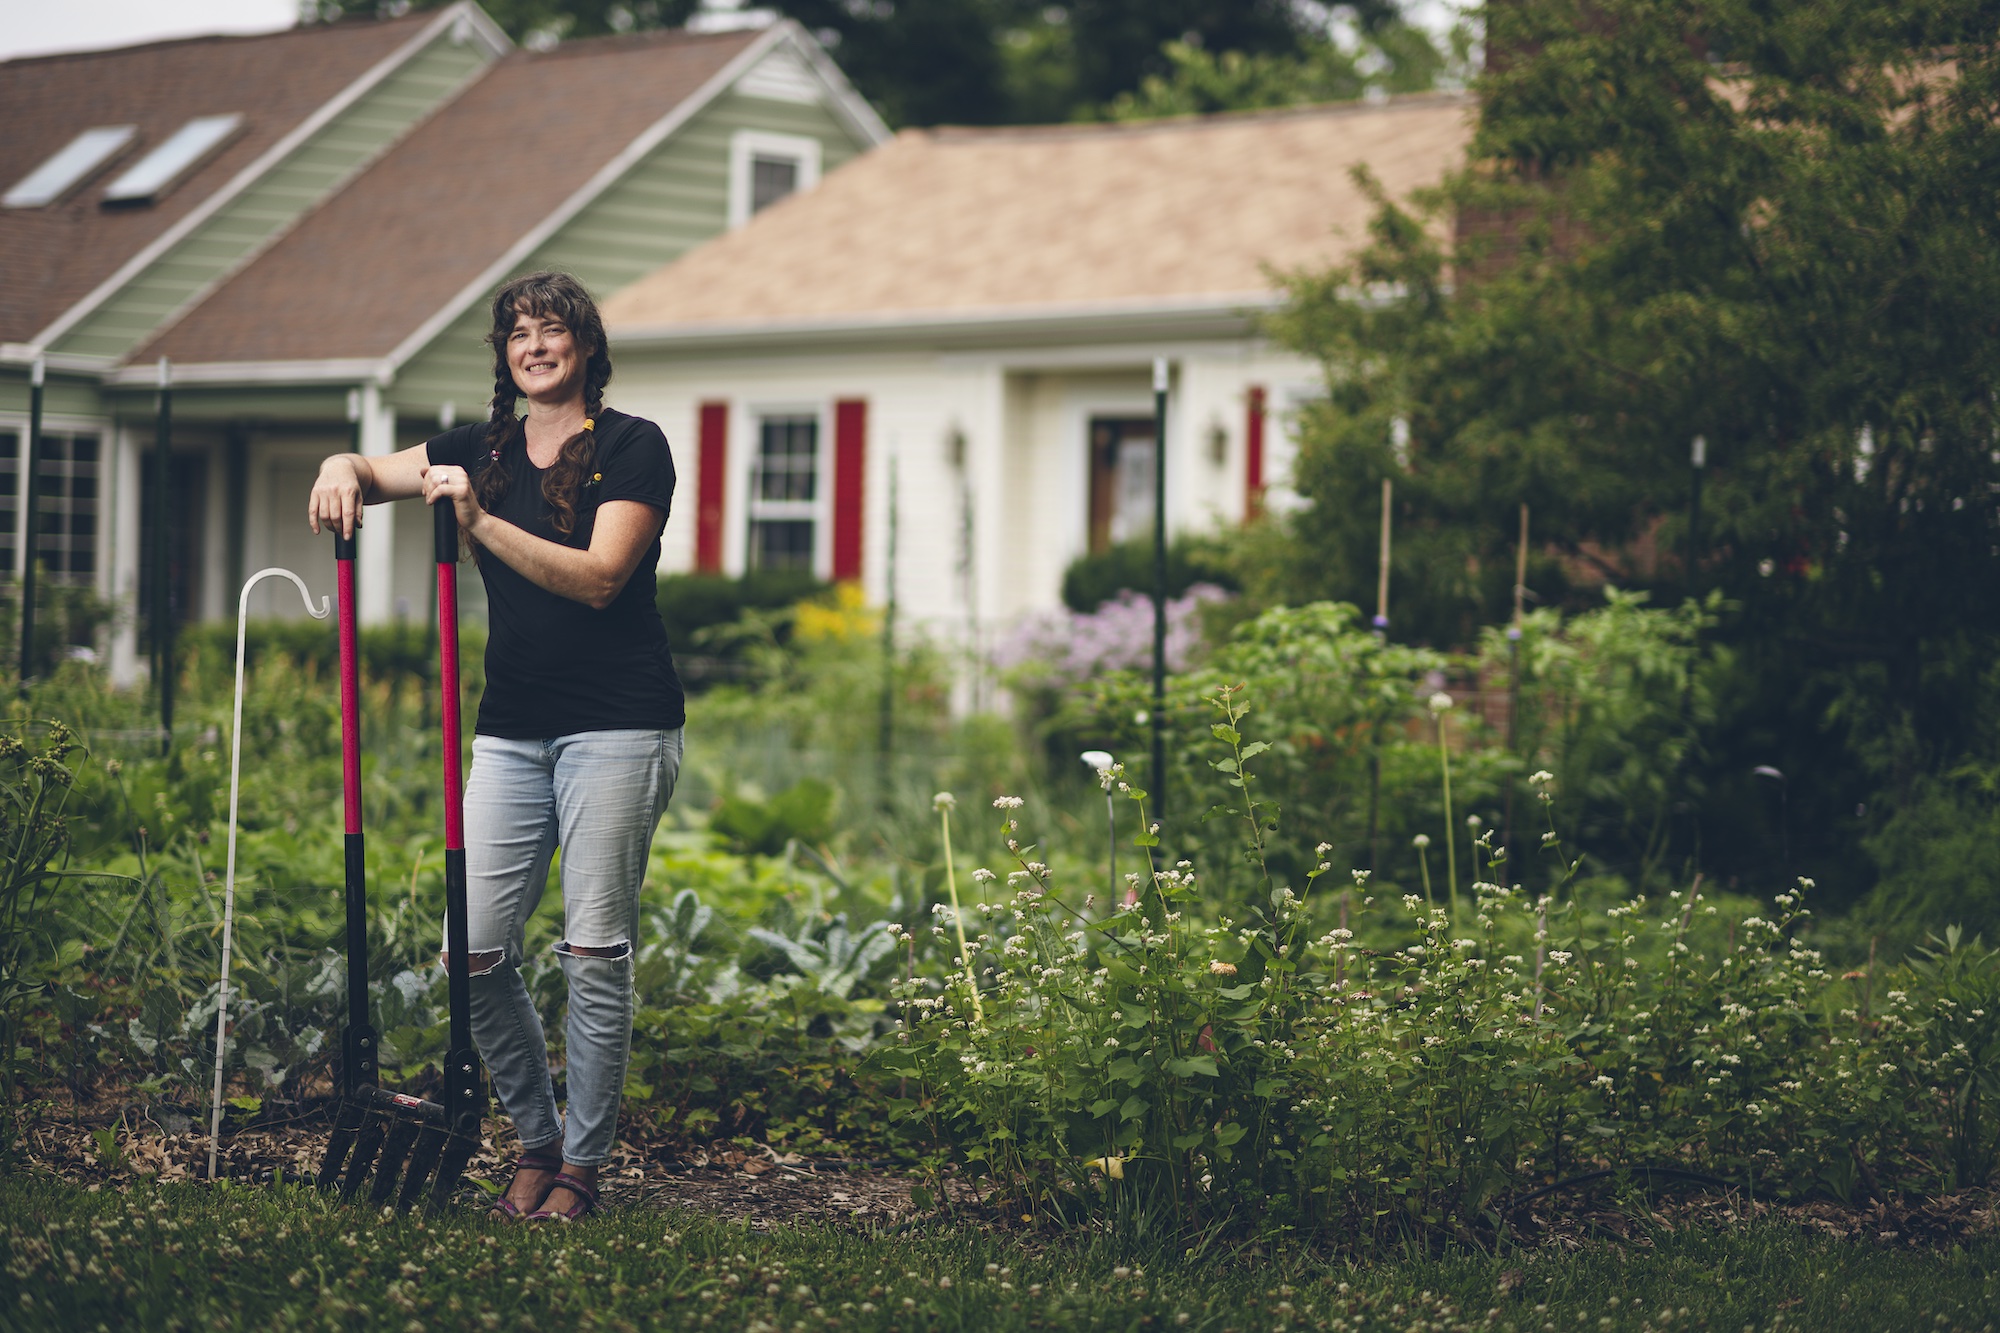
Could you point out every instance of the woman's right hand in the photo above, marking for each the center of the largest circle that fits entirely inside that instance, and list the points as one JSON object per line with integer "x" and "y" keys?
{"x": 337, "y": 495}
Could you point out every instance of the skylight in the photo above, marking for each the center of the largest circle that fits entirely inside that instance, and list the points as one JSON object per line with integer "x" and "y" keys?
{"x": 153, "y": 173}
{"x": 75, "y": 160}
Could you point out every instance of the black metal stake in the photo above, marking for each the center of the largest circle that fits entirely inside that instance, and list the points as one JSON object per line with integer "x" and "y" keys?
{"x": 1159, "y": 719}
{"x": 886, "y": 739}
{"x": 163, "y": 603}
{"x": 33, "y": 492}
{"x": 1698, "y": 459}
{"x": 1514, "y": 690}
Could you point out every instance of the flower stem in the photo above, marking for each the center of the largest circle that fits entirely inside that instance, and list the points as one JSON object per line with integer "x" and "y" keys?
{"x": 958, "y": 919}
{"x": 1450, "y": 840}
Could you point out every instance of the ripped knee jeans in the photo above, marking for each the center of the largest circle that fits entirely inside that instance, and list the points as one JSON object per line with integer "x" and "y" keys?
{"x": 598, "y": 795}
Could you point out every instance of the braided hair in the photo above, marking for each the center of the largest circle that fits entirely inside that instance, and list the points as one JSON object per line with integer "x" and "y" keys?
{"x": 557, "y": 296}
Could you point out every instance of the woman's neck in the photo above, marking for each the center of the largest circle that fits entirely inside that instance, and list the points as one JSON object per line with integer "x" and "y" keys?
{"x": 550, "y": 424}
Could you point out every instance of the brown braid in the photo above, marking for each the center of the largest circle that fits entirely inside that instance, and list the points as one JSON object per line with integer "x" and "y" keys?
{"x": 544, "y": 296}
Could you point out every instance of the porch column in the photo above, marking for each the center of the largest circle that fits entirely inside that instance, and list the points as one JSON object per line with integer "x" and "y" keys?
{"x": 375, "y": 575}
{"x": 121, "y": 566}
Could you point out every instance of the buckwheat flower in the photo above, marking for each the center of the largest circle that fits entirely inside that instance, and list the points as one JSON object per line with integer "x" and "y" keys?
{"x": 1421, "y": 841}
{"x": 1008, "y": 803}
{"x": 1560, "y": 956}
{"x": 944, "y": 800}
{"x": 1541, "y": 777}
{"x": 1440, "y": 703}
{"x": 983, "y": 876}
{"x": 1111, "y": 1042}
{"x": 1602, "y": 1081}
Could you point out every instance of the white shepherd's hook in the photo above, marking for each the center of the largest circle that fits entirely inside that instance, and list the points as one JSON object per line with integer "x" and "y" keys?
{"x": 229, "y": 876}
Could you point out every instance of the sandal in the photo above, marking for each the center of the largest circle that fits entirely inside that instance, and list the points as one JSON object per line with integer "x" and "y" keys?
{"x": 585, "y": 1205}
{"x": 535, "y": 1159}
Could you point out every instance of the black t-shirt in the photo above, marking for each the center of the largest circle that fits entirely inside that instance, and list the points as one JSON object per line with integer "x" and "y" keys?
{"x": 555, "y": 666}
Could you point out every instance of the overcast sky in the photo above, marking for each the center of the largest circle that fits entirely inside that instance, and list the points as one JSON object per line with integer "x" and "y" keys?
{"x": 35, "y": 27}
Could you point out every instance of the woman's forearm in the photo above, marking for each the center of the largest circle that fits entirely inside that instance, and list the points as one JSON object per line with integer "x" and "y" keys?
{"x": 590, "y": 577}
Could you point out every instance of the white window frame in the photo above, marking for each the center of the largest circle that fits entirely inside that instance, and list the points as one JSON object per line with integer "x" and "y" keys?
{"x": 818, "y": 510}
{"x": 745, "y": 146}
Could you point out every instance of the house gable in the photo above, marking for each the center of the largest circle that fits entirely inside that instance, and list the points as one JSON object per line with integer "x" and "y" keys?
{"x": 670, "y": 200}
{"x": 171, "y": 276}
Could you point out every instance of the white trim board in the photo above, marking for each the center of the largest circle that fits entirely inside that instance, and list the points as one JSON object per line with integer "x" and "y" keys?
{"x": 746, "y": 146}
{"x": 350, "y": 371}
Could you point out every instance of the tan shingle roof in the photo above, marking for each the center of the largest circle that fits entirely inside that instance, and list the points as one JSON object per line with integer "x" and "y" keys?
{"x": 369, "y": 266}
{"x": 52, "y": 257}
{"x": 970, "y": 220}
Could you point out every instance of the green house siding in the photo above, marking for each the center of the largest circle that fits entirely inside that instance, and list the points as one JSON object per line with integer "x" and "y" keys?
{"x": 62, "y": 395}
{"x": 254, "y": 217}
{"x": 671, "y": 201}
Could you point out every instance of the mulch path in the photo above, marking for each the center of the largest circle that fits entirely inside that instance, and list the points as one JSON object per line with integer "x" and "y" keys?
{"x": 764, "y": 1188}
{"x": 759, "y": 1188}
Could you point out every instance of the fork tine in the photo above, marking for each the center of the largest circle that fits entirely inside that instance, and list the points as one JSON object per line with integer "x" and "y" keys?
{"x": 365, "y": 1148}
{"x": 393, "y": 1152}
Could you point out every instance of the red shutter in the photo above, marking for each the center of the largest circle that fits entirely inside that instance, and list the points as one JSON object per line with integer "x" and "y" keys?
{"x": 711, "y": 467}
{"x": 850, "y": 459}
{"x": 1253, "y": 455}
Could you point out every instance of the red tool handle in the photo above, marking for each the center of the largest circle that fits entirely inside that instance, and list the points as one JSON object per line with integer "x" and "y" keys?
{"x": 350, "y": 684}
{"x": 447, "y": 600}
{"x": 464, "y": 1094}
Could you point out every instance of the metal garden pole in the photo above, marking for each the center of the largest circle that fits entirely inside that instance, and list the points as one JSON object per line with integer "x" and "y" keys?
{"x": 1698, "y": 460}
{"x": 32, "y": 499}
{"x": 1514, "y": 682}
{"x": 886, "y": 738}
{"x": 1381, "y": 635}
{"x": 1159, "y": 783}
{"x": 229, "y": 873}
{"x": 163, "y": 598}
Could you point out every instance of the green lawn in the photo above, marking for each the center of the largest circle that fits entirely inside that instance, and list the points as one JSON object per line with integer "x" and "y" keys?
{"x": 190, "y": 1257}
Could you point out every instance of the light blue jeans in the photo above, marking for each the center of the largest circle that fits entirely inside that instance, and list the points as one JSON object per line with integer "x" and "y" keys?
{"x": 598, "y": 795}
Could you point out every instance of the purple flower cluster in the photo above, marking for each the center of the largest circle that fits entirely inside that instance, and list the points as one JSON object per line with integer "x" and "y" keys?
{"x": 1061, "y": 648}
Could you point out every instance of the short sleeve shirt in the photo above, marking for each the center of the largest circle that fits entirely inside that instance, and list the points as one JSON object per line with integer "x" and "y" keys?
{"x": 555, "y": 666}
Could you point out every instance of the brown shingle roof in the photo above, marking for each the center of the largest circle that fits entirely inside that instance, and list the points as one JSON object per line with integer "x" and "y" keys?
{"x": 971, "y": 220}
{"x": 367, "y": 268}
{"x": 52, "y": 257}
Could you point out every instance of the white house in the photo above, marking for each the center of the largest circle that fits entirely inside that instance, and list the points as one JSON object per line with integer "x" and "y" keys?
{"x": 297, "y": 233}
{"x": 967, "y": 319}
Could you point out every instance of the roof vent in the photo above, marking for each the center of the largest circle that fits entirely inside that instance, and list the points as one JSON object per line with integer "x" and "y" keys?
{"x": 75, "y": 160}
{"x": 149, "y": 177}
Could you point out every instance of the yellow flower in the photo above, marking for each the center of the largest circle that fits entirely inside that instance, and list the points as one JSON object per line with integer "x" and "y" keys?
{"x": 846, "y": 619}
{"x": 1110, "y": 1166}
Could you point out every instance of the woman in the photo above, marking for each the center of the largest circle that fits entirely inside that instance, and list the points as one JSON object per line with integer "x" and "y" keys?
{"x": 578, "y": 741}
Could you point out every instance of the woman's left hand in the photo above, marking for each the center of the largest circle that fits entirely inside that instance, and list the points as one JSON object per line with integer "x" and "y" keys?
{"x": 444, "y": 482}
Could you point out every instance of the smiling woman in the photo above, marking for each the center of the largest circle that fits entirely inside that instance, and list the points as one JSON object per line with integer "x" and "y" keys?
{"x": 579, "y": 736}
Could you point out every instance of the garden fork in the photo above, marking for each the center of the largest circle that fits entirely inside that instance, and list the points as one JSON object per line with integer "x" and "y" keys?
{"x": 413, "y": 1137}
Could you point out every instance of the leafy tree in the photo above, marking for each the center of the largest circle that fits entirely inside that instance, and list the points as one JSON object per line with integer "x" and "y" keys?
{"x": 1770, "y": 226}
{"x": 1397, "y": 59}
{"x": 971, "y": 62}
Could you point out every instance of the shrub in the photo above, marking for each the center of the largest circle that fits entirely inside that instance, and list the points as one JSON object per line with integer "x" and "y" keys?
{"x": 1092, "y": 580}
{"x": 1320, "y": 1061}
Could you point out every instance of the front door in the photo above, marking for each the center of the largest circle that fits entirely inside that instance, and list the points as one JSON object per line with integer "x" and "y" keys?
{"x": 1121, "y": 480}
